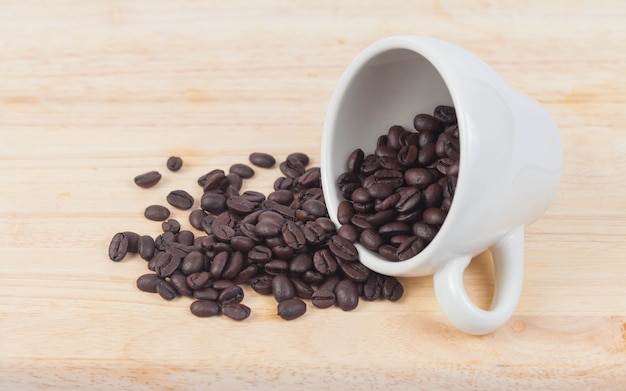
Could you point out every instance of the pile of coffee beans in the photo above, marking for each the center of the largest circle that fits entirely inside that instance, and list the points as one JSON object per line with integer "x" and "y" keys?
{"x": 397, "y": 197}
{"x": 282, "y": 244}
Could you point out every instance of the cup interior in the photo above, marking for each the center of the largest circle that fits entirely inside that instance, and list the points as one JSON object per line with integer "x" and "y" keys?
{"x": 377, "y": 91}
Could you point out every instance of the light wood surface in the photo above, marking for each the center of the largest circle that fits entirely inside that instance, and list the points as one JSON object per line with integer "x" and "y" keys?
{"x": 93, "y": 93}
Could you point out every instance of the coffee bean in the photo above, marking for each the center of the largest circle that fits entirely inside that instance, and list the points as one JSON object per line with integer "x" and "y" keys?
{"x": 303, "y": 290}
{"x": 407, "y": 155}
{"x": 282, "y": 288}
{"x": 240, "y": 205}
{"x": 118, "y": 248}
{"x": 355, "y": 271}
{"x": 291, "y": 309}
{"x": 424, "y": 231}
{"x": 156, "y": 213}
{"x": 276, "y": 267}
{"x": 410, "y": 198}
{"x": 230, "y": 295}
{"x": 325, "y": 262}
{"x": 167, "y": 265}
{"x": 293, "y": 235}
{"x": 284, "y": 197}
{"x": 145, "y": 247}
{"x": 383, "y": 217}
{"x": 147, "y": 179}
{"x": 147, "y": 282}
{"x": 208, "y": 293}
{"x": 303, "y": 158}
{"x": 394, "y": 228}
{"x": 349, "y": 232}
{"x": 373, "y": 287}
{"x": 165, "y": 289}
{"x": 392, "y": 289}
{"x": 262, "y": 159}
{"x": 426, "y": 123}
{"x": 323, "y": 298}
{"x": 199, "y": 280}
{"x": 174, "y": 163}
{"x": 171, "y": 225}
{"x": 355, "y": 161}
{"x": 292, "y": 168}
{"x": 262, "y": 284}
{"x": 236, "y": 311}
{"x": 434, "y": 216}
{"x": 218, "y": 264}
{"x": 410, "y": 248}
{"x": 204, "y": 308}
{"x": 243, "y": 170}
{"x": 388, "y": 252}
{"x": 179, "y": 281}
{"x": 260, "y": 254}
{"x": 347, "y": 296}
{"x": 445, "y": 114}
{"x": 300, "y": 263}
{"x": 370, "y": 239}
{"x": 342, "y": 248}
{"x": 202, "y": 180}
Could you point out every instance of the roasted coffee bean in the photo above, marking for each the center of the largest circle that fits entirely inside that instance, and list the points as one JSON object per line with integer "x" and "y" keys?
{"x": 208, "y": 293}
{"x": 325, "y": 262}
{"x": 259, "y": 254}
{"x": 284, "y": 197}
{"x": 276, "y": 267}
{"x": 230, "y": 295}
{"x": 204, "y": 308}
{"x": 383, "y": 217}
{"x": 410, "y": 198}
{"x": 302, "y": 157}
{"x": 195, "y": 218}
{"x": 379, "y": 191}
{"x": 433, "y": 195}
{"x": 145, "y": 247}
{"x": 218, "y": 264}
{"x": 347, "y": 295}
{"x": 393, "y": 136}
{"x": 262, "y": 284}
{"x": 426, "y": 123}
{"x": 246, "y": 274}
{"x": 355, "y": 161}
{"x": 148, "y": 282}
{"x": 179, "y": 281}
{"x": 193, "y": 262}
{"x": 370, "y": 239}
{"x": 243, "y": 170}
{"x": 180, "y": 199}
{"x": 312, "y": 178}
{"x": 283, "y": 251}
{"x": 147, "y": 179}
{"x": 240, "y": 205}
{"x": 410, "y": 248}
{"x": 236, "y": 311}
{"x": 394, "y": 228}
{"x": 323, "y": 298}
{"x": 445, "y": 114}
{"x": 303, "y": 290}
{"x": 235, "y": 182}
{"x": 434, "y": 216}
{"x": 253, "y": 196}
{"x": 407, "y": 155}
{"x": 424, "y": 231}
{"x": 395, "y": 178}
{"x": 314, "y": 233}
{"x": 267, "y": 228}
{"x": 427, "y": 154}
{"x": 349, "y": 232}
{"x": 156, "y": 213}
{"x": 261, "y": 159}
{"x": 292, "y": 169}
{"x": 293, "y": 235}
{"x": 165, "y": 289}
{"x": 313, "y": 277}
{"x": 392, "y": 289}
{"x": 216, "y": 181}
{"x": 283, "y": 183}
{"x": 342, "y": 248}
{"x": 118, "y": 248}
{"x": 387, "y": 203}
{"x": 315, "y": 207}
{"x": 355, "y": 271}
{"x": 300, "y": 263}
{"x": 209, "y": 175}
{"x": 222, "y": 284}
{"x": 373, "y": 287}
{"x": 420, "y": 177}
{"x": 174, "y": 163}
{"x": 291, "y": 309}
{"x": 171, "y": 225}
{"x": 199, "y": 280}
{"x": 388, "y": 252}
{"x": 370, "y": 165}
{"x": 282, "y": 288}
{"x": 167, "y": 265}
{"x": 235, "y": 265}
{"x": 345, "y": 211}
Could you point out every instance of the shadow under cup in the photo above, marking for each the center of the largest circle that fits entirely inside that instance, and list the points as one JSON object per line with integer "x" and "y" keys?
{"x": 389, "y": 88}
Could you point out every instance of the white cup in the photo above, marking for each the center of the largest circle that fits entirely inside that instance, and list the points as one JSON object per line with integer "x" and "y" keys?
{"x": 509, "y": 171}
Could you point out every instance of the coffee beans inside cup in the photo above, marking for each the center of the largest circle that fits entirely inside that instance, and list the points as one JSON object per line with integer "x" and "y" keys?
{"x": 282, "y": 244}
{"x": 398, "y": 196}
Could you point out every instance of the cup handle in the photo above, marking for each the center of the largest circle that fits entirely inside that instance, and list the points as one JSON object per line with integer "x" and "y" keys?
{"x": 508, "y": 259}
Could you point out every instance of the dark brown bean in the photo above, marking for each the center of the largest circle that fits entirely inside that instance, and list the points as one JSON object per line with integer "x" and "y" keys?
{"x": 349, "y": 232}
{"x": 118, "y": 248}
{"x": 179, "y": 282}
{"x": 148, "y": 282}
{"x": 261, "y": 159}
{"x": 426, "y": 123}
{"x": 392, "y": 289}
{"x": 302, "y": 157}
{"x": 434, "y": 216}
{"x": 410, "y": 248}
{"x": 147, "y": 179}
{"x": 445, "y": 114}
{"x": 325, "y": 262}
{"x": 174, "y": 163}
{"x": 323, "y": 298}
{"x": 283, "y": 288}
{"x": 342, "y": 248}
{"x": 291, "y": 309}
{"x": 243, "y": 170}
{"x": 156, "y": 213}
{"x": 347, "y": 296}
{"x": 355, "y": 160}
{"x": 165, "y": 289}
{"x": 145, "y": 247}
{"x": 236, "y": 311}
{"x": 231, "y": 295}
{"x": 371, "y": 240}
{"x": 303, "y": 290}
{"x": 355, "y": 271}
{"x": 204, "y": 308}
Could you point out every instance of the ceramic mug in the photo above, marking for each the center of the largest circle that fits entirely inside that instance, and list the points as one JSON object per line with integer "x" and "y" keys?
{"x": 509, "y": 170}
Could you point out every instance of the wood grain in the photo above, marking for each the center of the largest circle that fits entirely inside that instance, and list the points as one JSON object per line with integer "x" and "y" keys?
{"x": 93, "y": 93}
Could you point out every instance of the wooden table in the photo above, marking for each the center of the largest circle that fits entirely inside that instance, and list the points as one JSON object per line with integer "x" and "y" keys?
{"x": 93, "y": 93}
